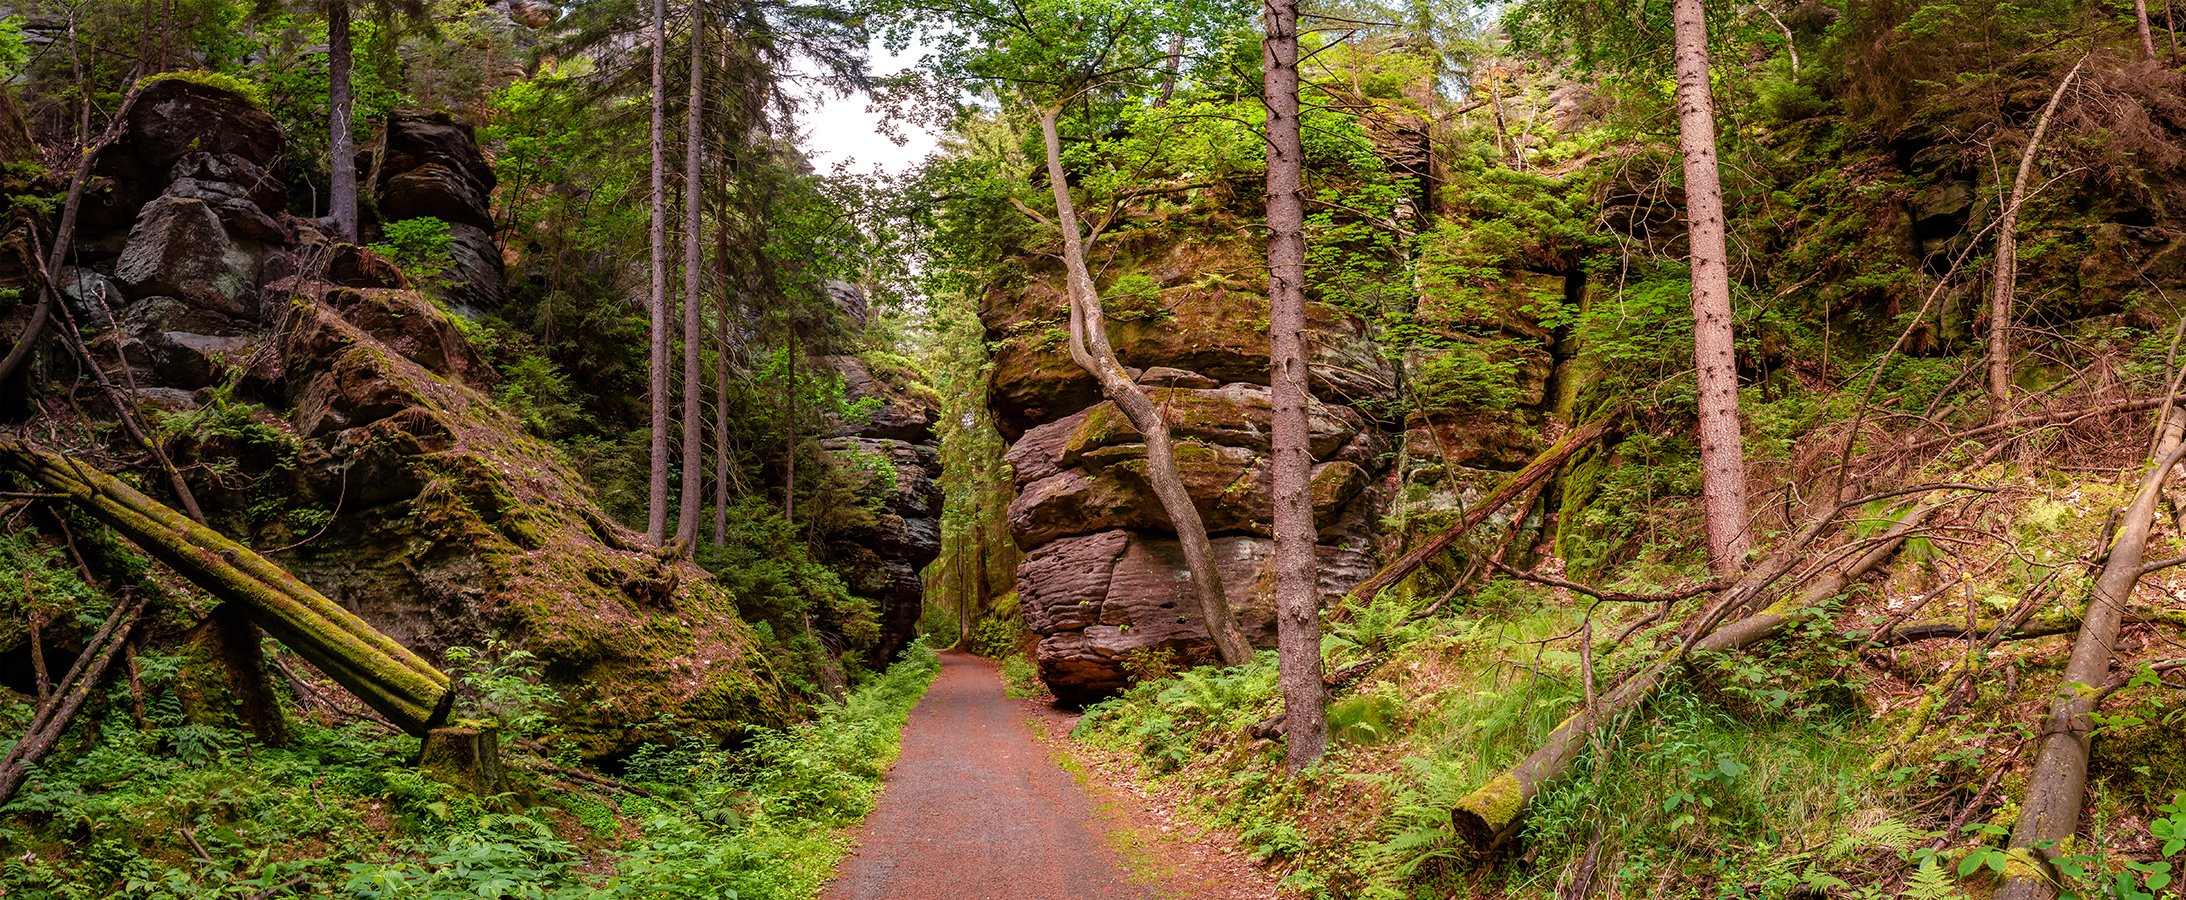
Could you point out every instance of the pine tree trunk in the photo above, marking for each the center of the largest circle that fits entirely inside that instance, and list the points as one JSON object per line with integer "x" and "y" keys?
{"x": 656, "y": 498}
{"x": 1089, "y": 348}
{"x": 2147, "y": 33}
{"x": 2057, "y": 787}
{"x": 341, "y": 192}
{"x": 789, "y": 431}
{"x": 2006, "y": 279}
{"x": 1722, "y": 450}
{"x": 1297, "y": 597}
{"x": 693, "y": 334}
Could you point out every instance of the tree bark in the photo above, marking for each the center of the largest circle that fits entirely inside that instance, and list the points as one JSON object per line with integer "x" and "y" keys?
{"x": 1089, "y": 348}
{"x": 1297, "y": 599}
{"x": 2007, "y": 252}
{"x": 2147, "y": 33}
{"x": 656, "y": 503}
{"x": 341, "y": 190}
{"x": 693, "y": 334}
{"x": 2057, "y": 787}
{"x": 789, "y": 428}
{"x": 1722, "y": 450}
{"x": 1492, "y": 813}
{"x": 399, "y": 684}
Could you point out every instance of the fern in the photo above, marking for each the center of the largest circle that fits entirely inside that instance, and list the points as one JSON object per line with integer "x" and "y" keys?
{"x": 1930, "y": 882}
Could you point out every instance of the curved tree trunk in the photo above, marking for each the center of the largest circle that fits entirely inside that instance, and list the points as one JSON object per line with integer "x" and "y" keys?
{"x": 2007, "y": 253}
{"x": 656, "y": 497}
{"x": 1722, "y": 450}
{"x": 1297, "y": 598}
{"x": 1089, "y": 348}
{"x": 693, "y": 375}
{"x": 2058, "y": 785}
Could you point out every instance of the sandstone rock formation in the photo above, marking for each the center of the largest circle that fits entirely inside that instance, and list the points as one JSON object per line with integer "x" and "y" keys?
{"x": 294, "y": 369}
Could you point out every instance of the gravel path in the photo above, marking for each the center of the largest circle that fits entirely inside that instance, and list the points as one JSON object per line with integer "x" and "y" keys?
{"x": 976, "y": 809}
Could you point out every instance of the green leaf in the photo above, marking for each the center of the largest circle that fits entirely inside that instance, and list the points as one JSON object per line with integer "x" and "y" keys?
{"x": 1730, "y": 767}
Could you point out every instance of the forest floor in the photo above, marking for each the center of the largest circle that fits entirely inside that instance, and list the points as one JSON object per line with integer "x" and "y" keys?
{"x": 979, "y": 807}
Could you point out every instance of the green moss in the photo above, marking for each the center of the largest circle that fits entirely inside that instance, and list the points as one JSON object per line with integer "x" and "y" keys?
{"x": 1496, "y": 803}
{"x": 250, "y": 93}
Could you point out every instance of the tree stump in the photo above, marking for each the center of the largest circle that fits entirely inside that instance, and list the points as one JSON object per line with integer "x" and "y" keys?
{"x": 466, "y": 755}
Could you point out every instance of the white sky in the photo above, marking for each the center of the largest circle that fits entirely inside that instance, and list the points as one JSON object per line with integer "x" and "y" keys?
{"x": 842, "y": 130}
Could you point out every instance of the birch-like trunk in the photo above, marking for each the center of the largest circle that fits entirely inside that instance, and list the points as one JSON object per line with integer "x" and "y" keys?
{"x": 1089, "y": 348}
{"x": 2006, "y": 279}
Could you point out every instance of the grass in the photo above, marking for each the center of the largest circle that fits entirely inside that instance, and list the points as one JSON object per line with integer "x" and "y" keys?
{"x": 172, "y": 810}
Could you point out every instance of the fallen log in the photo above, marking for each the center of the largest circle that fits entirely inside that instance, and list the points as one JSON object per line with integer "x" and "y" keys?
{"x": 51, "y": 719}
{"x": 2057, "y": 787}
{"x": 1534, "y": 472}
{"x": 397, "y": 683}
{"x": 1492, "y": 813}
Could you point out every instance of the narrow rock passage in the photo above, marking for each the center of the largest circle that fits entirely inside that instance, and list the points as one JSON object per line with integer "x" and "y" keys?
{"x": 976, "y": 809}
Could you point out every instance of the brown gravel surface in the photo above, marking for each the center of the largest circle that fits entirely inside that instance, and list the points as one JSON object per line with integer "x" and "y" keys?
{"x": 977, "y": 809}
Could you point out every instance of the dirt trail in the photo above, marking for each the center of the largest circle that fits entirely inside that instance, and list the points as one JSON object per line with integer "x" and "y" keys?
{"x": 976, "y": 808}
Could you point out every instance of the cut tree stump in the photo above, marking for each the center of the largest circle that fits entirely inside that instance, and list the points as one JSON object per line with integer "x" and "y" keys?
{"x": 466, "y": 755}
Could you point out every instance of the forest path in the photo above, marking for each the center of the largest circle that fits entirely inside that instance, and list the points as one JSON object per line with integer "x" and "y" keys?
{"x": 977, "y": 808}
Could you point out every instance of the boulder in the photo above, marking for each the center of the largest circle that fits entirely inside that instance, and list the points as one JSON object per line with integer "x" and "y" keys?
{"x": 1231, "y": 487}
{"x": 180, "y": 248}
{"x": 433, "y": 167}
{"x": 475, "y": 277}
{"x": 176, "y": 117}
{"x": 245, "y": 197}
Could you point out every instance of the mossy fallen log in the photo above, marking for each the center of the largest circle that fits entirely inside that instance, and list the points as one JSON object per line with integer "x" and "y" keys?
{"x": 395, "y": 682}
{"x": 1492, "y": 813}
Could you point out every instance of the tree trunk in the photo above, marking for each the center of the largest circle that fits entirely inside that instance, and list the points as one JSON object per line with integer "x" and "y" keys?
{"x": 2007, "y": 253}
{"x": 2147, "y": 33}
{"x": 1492, "y": 813}
{"x": 2057, "y": 787}
{"x": 721, "y": 377}
{"x": 1297, "y": 599}
{"x": 231, "y": 686}
{"x": 656, "y": 498}
{"x": 1169, "y": 72}
{"x": 52, "y": 716}
{"x": 789, "y": 430}
{"x": 693, "y": 334}
{"x": 1722, "y": 450}
{"x": 406, "y": 689}
{"x": 341, "y": 191}
{"x": 1089, "y": 348}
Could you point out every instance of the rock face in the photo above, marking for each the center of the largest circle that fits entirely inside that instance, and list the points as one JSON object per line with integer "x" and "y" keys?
{"x": 1103, "y": 577}
{"x": 356, "y": 403}
{"x": 887, "y": 449}
{"x": 433, "y": 167}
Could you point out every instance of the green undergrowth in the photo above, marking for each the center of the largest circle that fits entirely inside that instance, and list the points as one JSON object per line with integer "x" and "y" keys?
{"x": 1750, "y": 778}
{"x": 169, "y": 809}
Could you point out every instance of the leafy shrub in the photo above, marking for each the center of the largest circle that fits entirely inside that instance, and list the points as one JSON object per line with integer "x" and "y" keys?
{"x": 419, "y": 246}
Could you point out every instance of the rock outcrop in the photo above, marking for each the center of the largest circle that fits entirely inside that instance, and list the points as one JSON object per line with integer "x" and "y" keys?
{"x": 306, "y": 378}
{"x": 1103, "y": 577}
{"x": 887, "y": 449}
